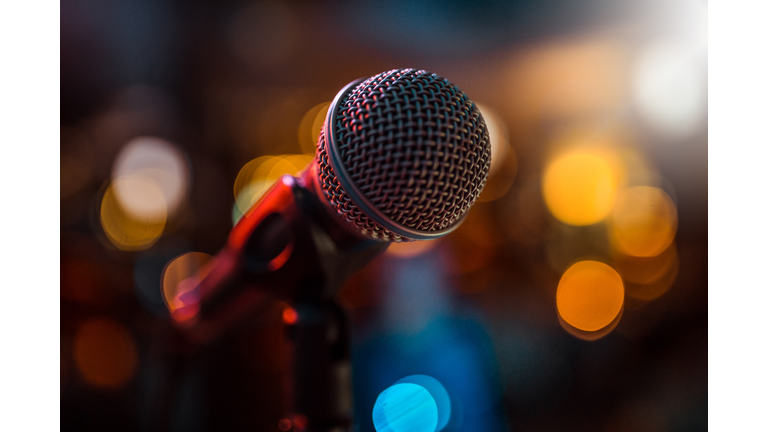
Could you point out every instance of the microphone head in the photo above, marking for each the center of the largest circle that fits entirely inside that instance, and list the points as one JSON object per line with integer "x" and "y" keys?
{"x": 403, "y": 155}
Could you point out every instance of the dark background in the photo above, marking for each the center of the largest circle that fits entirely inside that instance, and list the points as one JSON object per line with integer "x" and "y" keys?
{"x": 230, "y": 81}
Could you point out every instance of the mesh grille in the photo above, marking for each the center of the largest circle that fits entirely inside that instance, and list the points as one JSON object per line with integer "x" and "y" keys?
{"x": 416, "y": 148}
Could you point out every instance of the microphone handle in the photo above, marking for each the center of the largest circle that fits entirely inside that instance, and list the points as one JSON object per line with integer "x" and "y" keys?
{"x": 288, "y": 246}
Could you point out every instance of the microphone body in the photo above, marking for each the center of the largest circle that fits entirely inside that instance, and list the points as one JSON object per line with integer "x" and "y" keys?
{"x": 402, "y": 156}
{"x": 288, "y": 246}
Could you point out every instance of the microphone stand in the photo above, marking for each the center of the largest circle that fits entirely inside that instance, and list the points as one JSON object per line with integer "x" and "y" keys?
{"x": 290, "y": 246}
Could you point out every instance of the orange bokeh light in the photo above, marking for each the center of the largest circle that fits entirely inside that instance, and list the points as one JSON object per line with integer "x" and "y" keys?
{"x": 590, "y": 295}
{"x": 579, "y": 187}
{"x": 309, "y": 128}
{"x": 410, "y": 249}
{"x": 126, "y": 231}
{"x": 180, "y": 278}
{"x": 645, "y": 270}
{"x": 644, "y": 221}
{"x": 105, "y": 353}
{"x": 658, "y": 287}
{"x": 290, "y": 316}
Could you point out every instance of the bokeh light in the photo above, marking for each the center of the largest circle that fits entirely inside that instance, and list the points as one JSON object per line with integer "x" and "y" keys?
{"x": 405, "y": 407}
{"x": 180, "y": 278}
{"x": 498, "y": 135}
{"x": 258, "y": 175}
{"x": 590, "y": 295}
{"x": 310, "y": 126}
{"x": 643, "y": 221}
{"x": 669, "y": 89}
{"x": 658, "y": 287}
{"x": 126, "y": 231}
{"x": 579, "y": 187}
{"x": 290, "y": 316}
{"x": 645, "y": 270}
{"x": 410, "y": 249}
{"x": 566, "y": 78}
{"x": 105, "y": 353}
{"x": 151, "y": 177}
{"x": 503, "y": 158}
{"x": 284, "y": 424}
{"x": 438, "y": 393}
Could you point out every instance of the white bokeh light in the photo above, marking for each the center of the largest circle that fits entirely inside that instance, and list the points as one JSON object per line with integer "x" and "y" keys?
{"x": 669, "y": 89}
{"x": 150, "y": 164}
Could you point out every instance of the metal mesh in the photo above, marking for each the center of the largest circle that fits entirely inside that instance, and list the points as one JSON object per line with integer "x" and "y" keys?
{"x": 414, "y": 146}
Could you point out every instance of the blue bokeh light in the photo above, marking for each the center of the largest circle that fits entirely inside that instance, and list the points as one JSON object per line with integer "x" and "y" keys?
{"x": 438, "y": 393}
{"x": 405, "y": 407}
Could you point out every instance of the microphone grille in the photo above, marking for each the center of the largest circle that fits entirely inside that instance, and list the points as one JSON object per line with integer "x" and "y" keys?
{"x": 413, "y": 146}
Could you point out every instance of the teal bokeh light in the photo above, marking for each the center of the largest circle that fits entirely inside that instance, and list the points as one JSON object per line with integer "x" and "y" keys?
{"x": 438, "y": 393}
{"x": 405, "y": 407}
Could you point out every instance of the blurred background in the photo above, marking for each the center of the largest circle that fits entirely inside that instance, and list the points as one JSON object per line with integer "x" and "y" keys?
{"x": 574, "y": 297}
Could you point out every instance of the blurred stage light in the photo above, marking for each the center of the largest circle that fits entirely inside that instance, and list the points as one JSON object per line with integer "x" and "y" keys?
{"x": 284, "y": 424}
{"x": 410, "y": 249}
{"x": 405, "y": 407}
{"x": 180, "y": 278}
{"x": 290, "y": 316}
{"x": 567, "y": 79}
{"x": 658, "y": 287}
{"x": 503, "y": 159}
{"x": 579, "y": 187}
{"x": 258, "y": 175}
{"x": 645, "y": 270}
{"x": 688, "y": 20}
{"x": 146, "y": 160}
{"x": 438, "y": 393}
{"x": 309, "y": 128}
{"x": 105, "y": 353}
{"x": 643, "y": 221}
{"x": 498, "y": 135}
{"x": 590, "y": 295}
{"x": 669, "y": 89}
{"x": 147, "y": 277}
{"x": 125, "y": 231}
{"x": 141, "y": 197}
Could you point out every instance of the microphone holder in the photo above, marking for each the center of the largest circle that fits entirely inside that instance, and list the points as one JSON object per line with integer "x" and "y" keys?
{"x": 291, "y": 247}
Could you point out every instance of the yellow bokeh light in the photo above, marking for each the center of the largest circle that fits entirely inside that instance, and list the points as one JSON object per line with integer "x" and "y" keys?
{"x": 590, "y": 295}
{"x": 579, "y": 187}
{"x": 126, "y": 231}
{"x": 105, "y": 353}
{"x": 180, "y": 278}
{"x": 258, "y": 175}
{"x": 309, "y": 128}
{"x": 644, "y": 221}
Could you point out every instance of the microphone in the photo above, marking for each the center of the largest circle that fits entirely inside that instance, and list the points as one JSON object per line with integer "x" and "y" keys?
{"x": 402, "y": 156}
